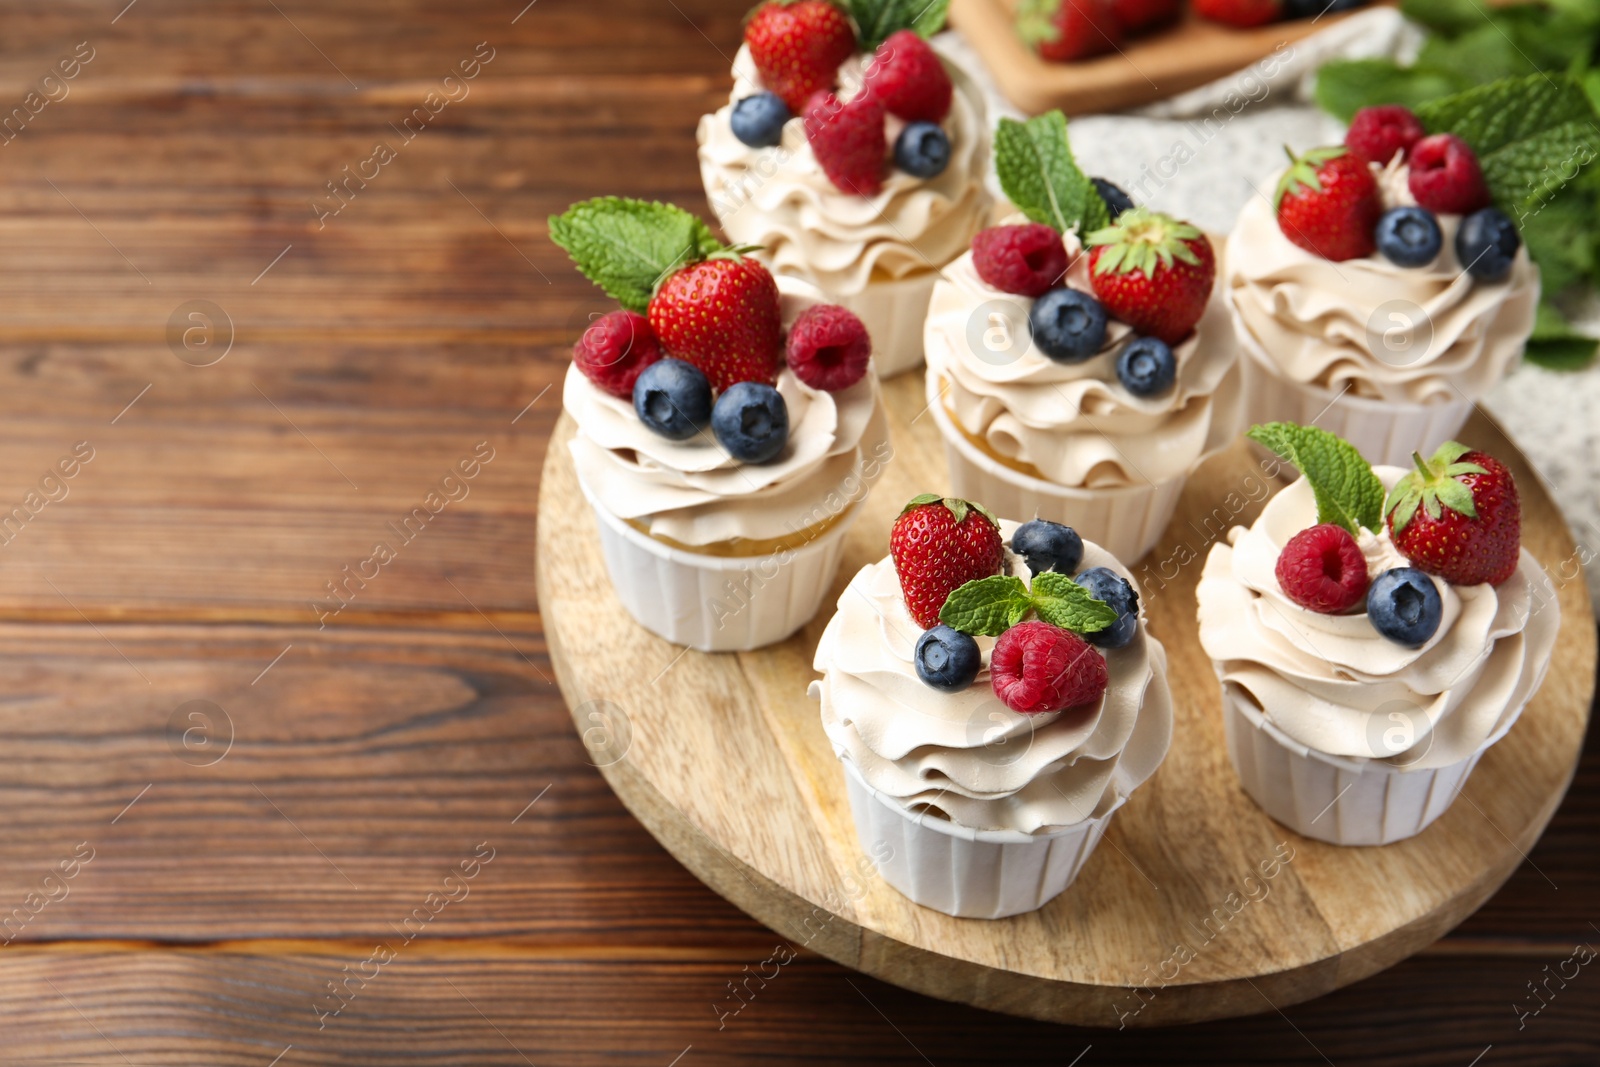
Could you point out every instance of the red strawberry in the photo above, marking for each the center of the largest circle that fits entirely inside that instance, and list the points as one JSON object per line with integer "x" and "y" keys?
{"x": 828, "y": 347}
{"x": 1457, "y": 515}
{"x": 940, "y": 544}
{"x": 1377, "y": 133}
{"x": 848, "y": 140}
{"x": 1328, "y": 203}
{"x": 797, "y": 47}
{"x": 615, "y": 350}
{"x": 721, "y": 315}
{"x": 1243, "y": 13}
{"x": 1152, "y": 272}
{"x": 1037, "y": 668}
{"x": 1065, "y": 30}
{"x": 1135, "y": 16}
{"x": 1445, "y": 176}
{"x": 908, "y": 79}
{"x": 1026, "y": 259}
{"x": 1322, "y": 569}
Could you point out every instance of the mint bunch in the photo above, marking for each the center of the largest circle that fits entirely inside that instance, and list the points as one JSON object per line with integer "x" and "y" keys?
{"x": 1348, "y": 493}
{"x": 628, "y": 247}
{"x": 991, "y": 606}
{"x": 1039, "y": 175}
{"x": 877, "y": 20}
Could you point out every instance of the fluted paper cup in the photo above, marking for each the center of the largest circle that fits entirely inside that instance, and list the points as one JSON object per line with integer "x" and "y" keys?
{"x": 1127, "y": 522}
{"x": 973, "y": 874}
{"x": 1386, "y": 432}
{"x": 718, "y": 603}
{"x": 1337, "y": 799}
{"x": 893, "y": 313}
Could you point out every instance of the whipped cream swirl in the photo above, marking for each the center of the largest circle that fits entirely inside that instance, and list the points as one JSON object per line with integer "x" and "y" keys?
{"x": 1416, "y": 335}
{"x": 1074, "y": 422}
{"x": 1336, "y": 685}
{"x": 966, "y": 756}
{"x": 779, "y": 198}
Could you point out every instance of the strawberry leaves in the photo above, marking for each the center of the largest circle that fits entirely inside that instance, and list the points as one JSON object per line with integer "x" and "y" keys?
{"x": 1433, "y": 486}
{"x": 991, "y": 606}
{"x": 1347, "y": 491}
{"x": 627, "y": 247}
{"x": 1302, "y": 172}
{"x": 1034, "y": 162}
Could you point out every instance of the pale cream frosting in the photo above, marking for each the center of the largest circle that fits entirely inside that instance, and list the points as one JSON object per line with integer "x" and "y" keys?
{"x": 1075, "y": 422}
{"x": 965, "y": 756}
{"x": 696, "y": 494}
{"x": 1336, "y": 685}
{"x": 780, "y": 200}
{"x": 1347, "y": 326}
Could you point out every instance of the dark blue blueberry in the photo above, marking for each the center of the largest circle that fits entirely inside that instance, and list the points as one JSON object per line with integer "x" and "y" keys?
{"x": 1310, "y": 9}
{"x": 752, "y": 421}
{"x": 947, "y": 659}
{"x": 1404, "y": 606}
{"x": 922, "y": 150}
{"x": 1048, "y": 546}
{"x": 1409, "y": 236}
{"x": 758, "y": 120}
{"x": 1106, "y": 584}
{"x": 1116, "y": 200}
{"x": 1487, "y": 243}
{"x": 1147, "y": 366}
{"x": 673, "y": 398}
{"x": 1068, "y": 326}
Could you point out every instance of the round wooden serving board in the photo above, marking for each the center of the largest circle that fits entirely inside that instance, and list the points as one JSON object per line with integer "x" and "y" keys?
{"x": 723, "y": 759}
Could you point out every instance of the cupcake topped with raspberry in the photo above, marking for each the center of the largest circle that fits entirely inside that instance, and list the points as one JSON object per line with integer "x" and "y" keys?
{"x": 993, "y": 676}
{"x": 850, "y": 152}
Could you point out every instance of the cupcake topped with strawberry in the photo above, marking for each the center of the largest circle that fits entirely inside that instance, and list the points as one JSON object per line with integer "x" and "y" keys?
{"x": 995, "y": 675}
{"x": 716, "y": 407}
{"x": 849, "y": 150}
{"x": 1081, "y": 342}
{"x": 1379, "y": 613}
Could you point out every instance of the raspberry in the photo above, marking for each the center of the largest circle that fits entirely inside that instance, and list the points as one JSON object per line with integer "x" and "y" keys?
{"x": 848, "y": 140}
{"x": 1445, "y": 177}
{"x": 1026, "y": 260}
{"x": 907, "y": 78}
{"x": 615, "y": 349}
{"x": 1322, "y": 569}
{"x": 1036, "y": 667}
{"x": 1377, "y": 133}
{"x": 829, "y": 348}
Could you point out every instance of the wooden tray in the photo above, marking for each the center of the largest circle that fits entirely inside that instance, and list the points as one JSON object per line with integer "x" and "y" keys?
{"x": 1151, "y": 67}
{"x": 723, "y": 759}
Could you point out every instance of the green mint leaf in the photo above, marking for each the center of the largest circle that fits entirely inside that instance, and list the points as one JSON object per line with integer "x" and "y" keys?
{"x": 1531, "y": 135}
{"x": 1558, "y": 346}
{"x": 1448, "y": 17}
{"x": 1345, "y": 86}
{"x": 627, "y": 246}
{"x": 877, "y": 20}
{"x": 1348, "y": 492}
{"x": 1034, "y": 162}
{"x": 1062, "y": 602}
{"x": 986, "y": 607}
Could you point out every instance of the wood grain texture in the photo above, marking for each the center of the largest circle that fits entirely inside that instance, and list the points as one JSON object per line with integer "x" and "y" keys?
{"x": 777, "y": 838}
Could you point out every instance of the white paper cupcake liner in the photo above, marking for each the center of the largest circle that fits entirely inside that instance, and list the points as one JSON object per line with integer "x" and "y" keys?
{"x": 718, "y": 603}
{"x": 974, "y": 874}
{"x": 1337, "y": 799}
{"x": 1384, "y": 431}
{"x": 1127, "y": 522}
{"x": 893, "y": 313}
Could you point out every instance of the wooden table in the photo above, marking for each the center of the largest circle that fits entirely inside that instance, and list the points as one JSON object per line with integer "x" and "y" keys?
{"x": 182, "y": 882}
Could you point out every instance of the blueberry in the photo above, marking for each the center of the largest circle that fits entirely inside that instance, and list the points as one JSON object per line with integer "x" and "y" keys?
{"x": 1106, "y": 584}
{"x": 1487, "y": 243}
{"x": 922, "y": 150}
{"x": 1404, "y": 606}
{"x": 1068, "y": 326}
{"x": 947, "y": 659}
{"x": 1307, "y": 9}
{"x": 1147, "y": 366}
{"x": 752, "y": 421}
{"x": 673, "y": 398}
{"x": 1116, "y": 200}
{"x": 1409, "y": 236}
{"x": 1048, "y": 546}
{"x": 758, "y": 120}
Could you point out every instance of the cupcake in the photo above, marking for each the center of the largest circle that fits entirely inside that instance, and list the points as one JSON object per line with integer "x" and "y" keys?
{"x": 1380, "y": 294}
{"x": 1082, "y": 388}
{"x": 854, "y": 159}
{"x": 991, "y": 712}
{"x": 1371, "y": 649}
{"x": 724, "y": 440}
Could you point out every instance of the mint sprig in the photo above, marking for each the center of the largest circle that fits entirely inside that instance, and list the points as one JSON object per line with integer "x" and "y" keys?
{"x": 990, "y": 606}
{"x": 627, "y": 247}
{"x": 877, "y": 20}
{"x": 1348, "y": 493}
{"x": 1040, "y": 176}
